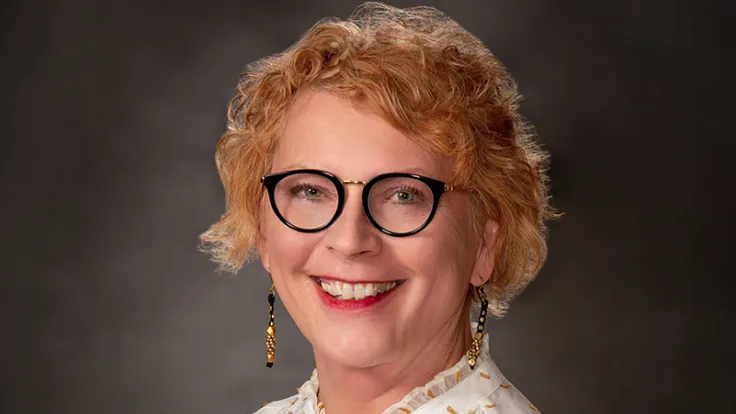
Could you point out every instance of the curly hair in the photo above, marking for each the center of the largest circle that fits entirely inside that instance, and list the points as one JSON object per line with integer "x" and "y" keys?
{"x": 430, "y": 79}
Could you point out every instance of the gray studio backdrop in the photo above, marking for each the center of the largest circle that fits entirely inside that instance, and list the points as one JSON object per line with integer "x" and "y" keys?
{"x": 116, "y": 108}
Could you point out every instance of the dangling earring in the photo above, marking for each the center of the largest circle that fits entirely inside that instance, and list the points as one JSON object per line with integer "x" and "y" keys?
{"x": 474, "y": 350}
{"x": 271, "y": 330}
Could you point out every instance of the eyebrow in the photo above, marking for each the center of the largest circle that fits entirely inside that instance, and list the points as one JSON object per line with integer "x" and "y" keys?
{"x": 412, "y": 170}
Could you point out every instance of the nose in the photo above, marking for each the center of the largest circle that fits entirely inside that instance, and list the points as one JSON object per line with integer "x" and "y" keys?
{"x": 352, "y": 235}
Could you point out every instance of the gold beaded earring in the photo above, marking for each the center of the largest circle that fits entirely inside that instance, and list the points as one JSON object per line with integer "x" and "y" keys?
{"x": 271, "y": 330}
{"x": 474, "y": 350}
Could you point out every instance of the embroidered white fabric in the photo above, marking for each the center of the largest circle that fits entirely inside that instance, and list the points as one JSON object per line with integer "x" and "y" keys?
{"x": 456, "y": 390}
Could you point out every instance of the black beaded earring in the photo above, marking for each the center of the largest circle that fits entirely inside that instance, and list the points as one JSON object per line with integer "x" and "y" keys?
{"x": 271, "y": 330}
{"x": 474, "y": 350}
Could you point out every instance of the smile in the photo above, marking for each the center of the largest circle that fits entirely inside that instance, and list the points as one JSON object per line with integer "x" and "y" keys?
{"x": 355, "y": 291}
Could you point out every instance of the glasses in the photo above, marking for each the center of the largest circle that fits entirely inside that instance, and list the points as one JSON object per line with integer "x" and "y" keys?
{"x": 398, "y": 204}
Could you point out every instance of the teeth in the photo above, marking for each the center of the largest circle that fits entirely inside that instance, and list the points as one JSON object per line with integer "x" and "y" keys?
{"x": 336, "y": 288}
{"x": 359, "y": 291}
{"x": 347, "y": 291}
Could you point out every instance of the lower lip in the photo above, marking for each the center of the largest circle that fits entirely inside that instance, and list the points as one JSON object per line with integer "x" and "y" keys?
{"x": 350, "y": 304}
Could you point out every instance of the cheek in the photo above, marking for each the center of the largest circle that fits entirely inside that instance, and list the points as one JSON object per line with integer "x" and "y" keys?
{"x": 438, "y": 263}
{"x": 283, "y": 246}
{"x": 288, "y": 251}
{"x": 445, "y": 253}
{"x": 286, "y": 247}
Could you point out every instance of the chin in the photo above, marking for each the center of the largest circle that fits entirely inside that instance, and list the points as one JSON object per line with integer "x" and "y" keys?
{"x": 358, "y": 348}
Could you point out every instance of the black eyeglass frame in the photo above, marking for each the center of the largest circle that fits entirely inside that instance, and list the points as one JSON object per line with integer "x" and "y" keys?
{"x": 438, "y": 188}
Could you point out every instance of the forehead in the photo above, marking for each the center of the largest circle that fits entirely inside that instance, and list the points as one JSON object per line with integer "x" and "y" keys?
{"x": 326, "y": 132}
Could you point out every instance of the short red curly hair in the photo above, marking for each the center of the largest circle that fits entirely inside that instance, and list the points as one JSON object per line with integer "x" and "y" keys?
{"x": 429, "y": 78}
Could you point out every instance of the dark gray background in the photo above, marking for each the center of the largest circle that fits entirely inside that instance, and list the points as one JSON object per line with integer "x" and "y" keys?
{"x": 112, "y": 111}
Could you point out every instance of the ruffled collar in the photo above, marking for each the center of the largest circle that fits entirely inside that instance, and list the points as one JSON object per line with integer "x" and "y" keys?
{"x": 418, "y": 397}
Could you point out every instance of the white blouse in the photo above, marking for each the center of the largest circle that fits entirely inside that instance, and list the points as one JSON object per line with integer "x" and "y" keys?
{"x": 456, "y": 390}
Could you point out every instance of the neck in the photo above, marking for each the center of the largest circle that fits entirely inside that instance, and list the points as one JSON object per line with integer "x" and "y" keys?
{"x": 371, "y": 390}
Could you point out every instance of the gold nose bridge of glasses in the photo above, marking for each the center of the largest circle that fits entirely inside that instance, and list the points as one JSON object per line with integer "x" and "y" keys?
{"x": 447, "y": 187}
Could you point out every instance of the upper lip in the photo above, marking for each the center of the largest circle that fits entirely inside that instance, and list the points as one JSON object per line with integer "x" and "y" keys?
{"x": 351, "y": 281}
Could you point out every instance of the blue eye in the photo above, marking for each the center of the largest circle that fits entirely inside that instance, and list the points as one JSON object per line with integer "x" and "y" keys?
{"x": 405, "y": 196}
{"x": 306, "y": 192}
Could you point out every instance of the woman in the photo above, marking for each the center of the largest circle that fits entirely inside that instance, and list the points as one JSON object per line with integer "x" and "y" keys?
{"x": 383, "y": 175}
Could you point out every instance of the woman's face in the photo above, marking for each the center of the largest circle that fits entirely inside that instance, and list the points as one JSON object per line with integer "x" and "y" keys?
{"x": 434, "y": 268}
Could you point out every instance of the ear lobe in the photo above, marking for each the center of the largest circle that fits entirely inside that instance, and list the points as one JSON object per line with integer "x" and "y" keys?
{"x": 485, "y": 260}
{"x": 263, "y": 254}
{"x": 261, "y": 241}
{"x": 263, "y": 250}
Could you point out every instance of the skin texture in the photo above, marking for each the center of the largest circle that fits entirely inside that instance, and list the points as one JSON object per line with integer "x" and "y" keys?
{"x": 369, "y": 359}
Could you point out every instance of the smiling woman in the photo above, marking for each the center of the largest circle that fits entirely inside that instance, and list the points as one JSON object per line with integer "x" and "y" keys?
{"x": 383, "y": 175}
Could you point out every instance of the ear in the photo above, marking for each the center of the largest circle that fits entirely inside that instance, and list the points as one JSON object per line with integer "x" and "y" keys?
{"x": 485, "y": 259}
{"x": 263, "y": 252}
{"x": 261, "y": 241}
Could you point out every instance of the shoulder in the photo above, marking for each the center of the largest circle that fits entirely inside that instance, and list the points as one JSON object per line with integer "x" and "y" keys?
{"x": 507, "y": 399}
{"x": 280, "y": 406}
{"x": 484, "y": 391}
{"x": 303, "y": 402}
{"x": 504, "y": 397}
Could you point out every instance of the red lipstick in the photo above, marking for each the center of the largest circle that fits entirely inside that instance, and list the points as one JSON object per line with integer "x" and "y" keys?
{"x": 352, "y": 304}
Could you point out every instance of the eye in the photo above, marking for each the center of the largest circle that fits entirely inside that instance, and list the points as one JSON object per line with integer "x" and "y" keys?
{"x": 306, "y": 191}
{"x": 406, "y": 195}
